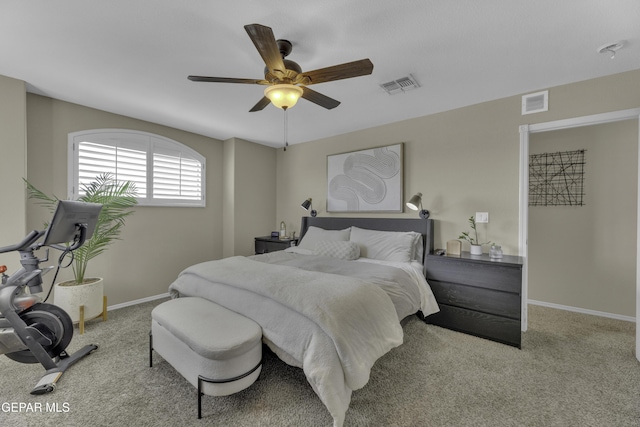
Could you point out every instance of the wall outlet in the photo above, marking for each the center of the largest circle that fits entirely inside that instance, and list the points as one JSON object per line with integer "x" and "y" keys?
{"x": 482, "y": 217}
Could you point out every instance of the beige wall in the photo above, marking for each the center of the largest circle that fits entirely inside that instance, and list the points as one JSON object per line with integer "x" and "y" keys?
{"x": 228, "y": 198}
{"x": 250, "y": 194}
{"x": 463, "y": 161}
{"x": 585, "y": 256}
{"x": 157, "y": 242}
{"x": 13, "y": 166}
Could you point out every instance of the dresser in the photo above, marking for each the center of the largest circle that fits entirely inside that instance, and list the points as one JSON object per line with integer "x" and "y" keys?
{"x": 478, "y": 295}
{"x": 271, "y": 244}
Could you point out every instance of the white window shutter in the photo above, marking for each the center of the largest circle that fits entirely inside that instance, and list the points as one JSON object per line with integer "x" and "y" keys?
{"x": 166, "y": 173}
{"x": 123, "y": 163}
{"x": 176, "y": 177}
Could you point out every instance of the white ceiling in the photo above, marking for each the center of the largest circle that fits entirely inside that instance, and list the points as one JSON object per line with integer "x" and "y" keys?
{"x": 132, "y": 57}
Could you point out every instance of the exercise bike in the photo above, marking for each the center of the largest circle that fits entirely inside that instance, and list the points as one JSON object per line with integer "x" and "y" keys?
{"x": 32, "y": 331}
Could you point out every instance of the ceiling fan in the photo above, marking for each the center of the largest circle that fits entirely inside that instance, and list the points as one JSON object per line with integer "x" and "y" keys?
{"x": 285, "y": 79}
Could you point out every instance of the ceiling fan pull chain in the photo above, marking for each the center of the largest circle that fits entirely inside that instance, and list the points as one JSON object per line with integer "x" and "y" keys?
{"x": 286, "y": 130}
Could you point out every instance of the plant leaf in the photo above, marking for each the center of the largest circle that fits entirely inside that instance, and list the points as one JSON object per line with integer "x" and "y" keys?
{"x": 117, "y": 199}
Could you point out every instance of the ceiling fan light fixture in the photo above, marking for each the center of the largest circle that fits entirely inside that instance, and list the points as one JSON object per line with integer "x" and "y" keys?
{"x": 283, "y": 95}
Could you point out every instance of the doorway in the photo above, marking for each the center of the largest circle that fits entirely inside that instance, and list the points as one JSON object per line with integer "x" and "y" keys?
{"x": 525, "y": 132}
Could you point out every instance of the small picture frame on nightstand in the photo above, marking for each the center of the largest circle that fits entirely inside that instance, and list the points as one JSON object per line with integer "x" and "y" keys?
{"x": 454, "y": 247}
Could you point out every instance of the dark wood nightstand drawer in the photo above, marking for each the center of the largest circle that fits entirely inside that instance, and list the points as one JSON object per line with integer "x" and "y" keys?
{"x": 479, "y": 299}
{"x": 267, "y": 244}
{"x": 496, "y": 328}
{"x": 497, "y": 276}
{"x": 478, "y": 295}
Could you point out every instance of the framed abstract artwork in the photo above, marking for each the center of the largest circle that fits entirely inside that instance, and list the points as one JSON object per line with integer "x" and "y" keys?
{"x": 366, "y": 180}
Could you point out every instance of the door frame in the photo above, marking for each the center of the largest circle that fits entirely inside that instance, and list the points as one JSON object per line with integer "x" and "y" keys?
{"x": 523, "y": 230}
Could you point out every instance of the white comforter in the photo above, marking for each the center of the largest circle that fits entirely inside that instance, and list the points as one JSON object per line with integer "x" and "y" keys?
{"x": 334, "y": 326}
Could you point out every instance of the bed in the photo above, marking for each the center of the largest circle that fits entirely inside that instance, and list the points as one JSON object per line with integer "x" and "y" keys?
{"x": 332, "y": 305}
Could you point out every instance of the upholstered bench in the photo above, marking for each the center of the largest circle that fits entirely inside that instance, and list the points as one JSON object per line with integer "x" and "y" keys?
{"x": 217, "y": 350}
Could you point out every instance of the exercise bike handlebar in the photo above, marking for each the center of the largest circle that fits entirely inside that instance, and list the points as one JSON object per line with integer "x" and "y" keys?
{"x": 29, "y": 240}
{"x": 34, "y": 235}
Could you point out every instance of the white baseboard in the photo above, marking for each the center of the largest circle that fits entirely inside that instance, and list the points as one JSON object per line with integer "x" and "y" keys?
{"x": 531, "y": 301}
{"x": 583, "y": 311}
{"x": 137, "y": 301}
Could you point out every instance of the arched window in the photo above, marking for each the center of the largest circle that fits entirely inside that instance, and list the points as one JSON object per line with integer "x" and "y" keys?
{"x": 166, "y": 172}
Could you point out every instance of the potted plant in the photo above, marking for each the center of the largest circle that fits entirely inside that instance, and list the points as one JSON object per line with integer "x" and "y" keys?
{"x": 117, "y": 199}
{"x": 476, "y": 246}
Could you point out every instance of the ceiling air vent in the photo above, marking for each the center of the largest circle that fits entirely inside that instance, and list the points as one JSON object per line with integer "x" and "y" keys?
{"x": 535, "y": 102}
{"x": 403, "y": 84}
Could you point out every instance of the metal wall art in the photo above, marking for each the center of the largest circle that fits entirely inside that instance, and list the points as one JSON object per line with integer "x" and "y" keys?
{"x": 557, "y": 179}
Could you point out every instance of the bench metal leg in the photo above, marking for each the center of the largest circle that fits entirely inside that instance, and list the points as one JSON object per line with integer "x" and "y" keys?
{"x": 150, "y": 349}
{"x": 202, "y": 380}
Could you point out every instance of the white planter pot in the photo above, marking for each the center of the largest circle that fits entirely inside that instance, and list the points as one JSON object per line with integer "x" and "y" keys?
{"x": 71, "y": 297}
{"x": 476, "y": 249}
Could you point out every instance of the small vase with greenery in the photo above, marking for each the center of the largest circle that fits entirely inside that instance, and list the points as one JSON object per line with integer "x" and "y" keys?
{"x": 117, "y": 199}
{"x": 476, "y": 246}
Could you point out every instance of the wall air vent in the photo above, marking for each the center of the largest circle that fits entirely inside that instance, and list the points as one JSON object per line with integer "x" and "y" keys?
{"x": 403, "y": 84}
{"x": 535, "y": 102}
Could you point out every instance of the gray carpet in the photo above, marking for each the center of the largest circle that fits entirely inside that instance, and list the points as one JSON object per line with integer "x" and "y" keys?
{"x": 573, "y": 370}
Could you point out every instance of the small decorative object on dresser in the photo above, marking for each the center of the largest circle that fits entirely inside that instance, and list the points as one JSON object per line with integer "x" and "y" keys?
{"x": 476, "y": 246}
{"x": 454, "y": 247}
{"x": 478, "y": 295}
{"x": 495, "y": 251}
{"x": 266, "y": 244}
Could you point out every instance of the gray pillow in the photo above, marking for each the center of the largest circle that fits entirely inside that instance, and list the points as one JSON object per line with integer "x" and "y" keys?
{"x": 338, "y": 249}
{"x": 316, "y": 234}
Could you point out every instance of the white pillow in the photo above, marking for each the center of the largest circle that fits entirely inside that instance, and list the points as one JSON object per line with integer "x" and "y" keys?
{"x": 338, "y": 249}
{"x": 395, "y": 246}
{"x": 418, "y": 249}
{"x": 316, "y": 234}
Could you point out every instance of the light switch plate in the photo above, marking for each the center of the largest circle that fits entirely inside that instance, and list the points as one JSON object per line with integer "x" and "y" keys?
{"x": 482, "y": 217}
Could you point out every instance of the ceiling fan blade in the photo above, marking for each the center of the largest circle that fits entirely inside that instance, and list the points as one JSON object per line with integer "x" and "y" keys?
{"x": 261, "y": 104}
{"x": 318, "y": 98}
{"x": 264, "y": 40}
{"x": 339, "y": 72}
{"x": 226, "y": 80}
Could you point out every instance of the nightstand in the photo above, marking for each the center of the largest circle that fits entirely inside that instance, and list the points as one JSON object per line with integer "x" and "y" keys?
{"x": 478, "y": 295}
{"x": 271, "y": 244}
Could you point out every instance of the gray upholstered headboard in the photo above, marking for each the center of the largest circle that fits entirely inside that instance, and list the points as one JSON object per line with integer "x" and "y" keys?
{"x": 423, "y": 226}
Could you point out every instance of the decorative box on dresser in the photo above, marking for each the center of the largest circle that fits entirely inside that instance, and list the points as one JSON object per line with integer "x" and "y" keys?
{"x": 478, "y": 295}
{"x": 271, "y": 244}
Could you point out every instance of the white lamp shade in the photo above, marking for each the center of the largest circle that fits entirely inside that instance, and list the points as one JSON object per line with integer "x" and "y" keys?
{"x": 283, "y": 95}
{"x": 415, "y": 202}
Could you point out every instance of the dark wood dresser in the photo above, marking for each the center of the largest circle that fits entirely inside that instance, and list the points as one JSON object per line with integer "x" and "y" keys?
{"x": 478, "y": 295}
{"x": 271, "y": 244}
